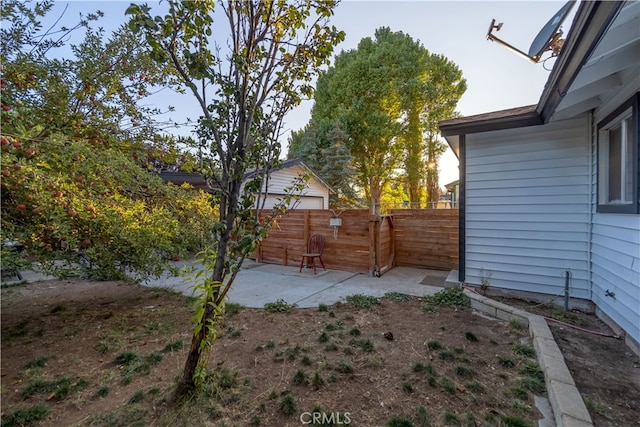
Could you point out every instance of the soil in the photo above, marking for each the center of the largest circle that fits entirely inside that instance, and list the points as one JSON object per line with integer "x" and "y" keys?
{"x": 109, "y": 353}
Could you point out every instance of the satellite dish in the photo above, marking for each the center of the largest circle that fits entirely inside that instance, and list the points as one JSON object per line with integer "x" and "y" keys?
{"x": 547, "y": 39}
{"x": 549, "y": 33}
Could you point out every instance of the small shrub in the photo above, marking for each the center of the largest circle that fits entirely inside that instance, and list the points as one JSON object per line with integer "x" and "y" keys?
{"x": 323, "y": 307}
{"x": 288, "y": 405}
{"x": 464, "y": 371}
{"x": 300, "y": 378}
{"x": 449, "y": 297}
{"x": 317, "y": 381}
{"x": 471, "y": 336}
{"x": 407, "y": 388}
{"x": 344, "y": 367}
{"x": 362, "y": 301}
{"x": 434, "y": 345}
{"x": 280, "y": 306}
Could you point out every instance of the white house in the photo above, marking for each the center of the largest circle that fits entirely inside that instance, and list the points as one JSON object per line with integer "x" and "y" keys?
{"x": 314, "y": 196}
{"x": 549, "y": 193}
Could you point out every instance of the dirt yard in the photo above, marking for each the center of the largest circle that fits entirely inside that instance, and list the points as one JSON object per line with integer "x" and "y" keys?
{"x": 78, "y": 353}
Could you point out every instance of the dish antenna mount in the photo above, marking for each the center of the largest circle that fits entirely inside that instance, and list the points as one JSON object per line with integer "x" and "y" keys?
{"x": 549, "y": 37}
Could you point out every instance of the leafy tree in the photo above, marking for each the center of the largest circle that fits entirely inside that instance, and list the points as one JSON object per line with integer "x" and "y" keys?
{"x": 325, "y": 148}
{"x": 244, "y": 87}
{"x": 390, "y": 94}
{"x": 75, "y": 170}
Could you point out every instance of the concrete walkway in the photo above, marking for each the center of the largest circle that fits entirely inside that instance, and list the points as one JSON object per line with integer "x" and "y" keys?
{"x": 257, "y": 284}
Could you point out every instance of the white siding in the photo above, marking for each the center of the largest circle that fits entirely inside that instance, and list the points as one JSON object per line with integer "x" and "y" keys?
{"x": 315, "y": 196}
{"x": 527, "y": 208}
{"x": 615, "y": 248}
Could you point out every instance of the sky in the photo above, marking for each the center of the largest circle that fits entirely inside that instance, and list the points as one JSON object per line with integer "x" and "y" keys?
{"x": 496, "y": 77}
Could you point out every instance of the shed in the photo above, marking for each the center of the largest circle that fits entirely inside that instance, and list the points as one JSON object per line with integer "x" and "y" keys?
{"x": 549, "y": 193}
{"x": 314, "y": 196}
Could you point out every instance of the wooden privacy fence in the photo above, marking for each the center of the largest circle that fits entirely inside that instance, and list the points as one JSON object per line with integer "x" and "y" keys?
{"x": 365, "y": 243}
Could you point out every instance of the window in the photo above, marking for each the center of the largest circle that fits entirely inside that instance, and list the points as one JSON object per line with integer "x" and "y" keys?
{"x": 618, "y": 160}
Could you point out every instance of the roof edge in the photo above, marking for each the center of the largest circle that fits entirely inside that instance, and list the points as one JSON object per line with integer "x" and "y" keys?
{"x": 496, "y": 120}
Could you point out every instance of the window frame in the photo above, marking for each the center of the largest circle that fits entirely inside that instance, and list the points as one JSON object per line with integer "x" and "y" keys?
{"x": 611, "y": 121}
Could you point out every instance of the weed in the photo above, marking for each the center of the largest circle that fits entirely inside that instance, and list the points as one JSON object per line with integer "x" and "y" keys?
{"x": 138, "y": 396}
{"x": 533, "y": 370}
{"x": 332, "y": 378}
{"x": 259, "y": 347}
{"x": 419, "y": 367}
{"x": 407, "y": 387}
{"x": 471, "y": 336}
{"x": 19, "y": 330}
{"x": 362, "y": 301}
{"x": 233, "y": 332}
{"x": 446, "y": 355}
{"x": 130, "y": 363}
{"x": 25, "y": 416}
{"x": 306, "y": 360}
{"x": 518, "y": 393}
{"x": 233, "y": 308}
{"x": 280, "y": 306}
{"x": 431, "y": 380}
{"x": 58, "y": 309}
{"x": 365, "y": 344}
{"x": 173, "y": 346}
{"x": 397, "y": 296}
{"x": 324, "y": 337}
{"x": 300, "y": 378}
{"x": 448, "y": 385}
{"x": 597, "y": 407}
{"x": 58, "y": 389}
{"x": 449, "y": 297}
{"x": 292, "y": 353}
{"x": 464, "y": 371}
{"x": 344, "y": 367}
{"x": 399, "y": 422}
{"x": 424, "y": 420}
{"x": 348, "y": 351}
{"x": 255, "y": 421}
{"x": 323, "y": 307}
{"x": 102, "y": 391}
{"x": 520, "y": 407}
{"x": 270, "y": 344}
{"x": 451, "y": 419}
{"x": 38, "y": 362}
{"x": 523, "y": 350}
{"x": 475, "y": 387}
{"x": 129, "y": 415}
{"x": 153, "y": 391}
{"x": 506, "y": 362}
{"x": 317, "y": 380}
{"x": 332, "y": 314}
{"x": 355, "y": 332}
{"x": 510, "y": 421}
{"x": 339, "y": 325}
{"x": 434, "y": 345}
{"x": 288, "y": 405}
{"x": 534, "y": 385}
{"x": 331, "y": 347}
{"x": 514, "y": 325}
{"x": 154, "y": 358}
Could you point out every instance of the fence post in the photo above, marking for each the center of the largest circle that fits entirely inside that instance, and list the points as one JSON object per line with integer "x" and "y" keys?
{"x": 373, "y": 222}
{"x": 307, "y": 229}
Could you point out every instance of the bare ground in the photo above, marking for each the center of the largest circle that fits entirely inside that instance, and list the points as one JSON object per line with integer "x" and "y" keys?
{"x": 77, "y": 353}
